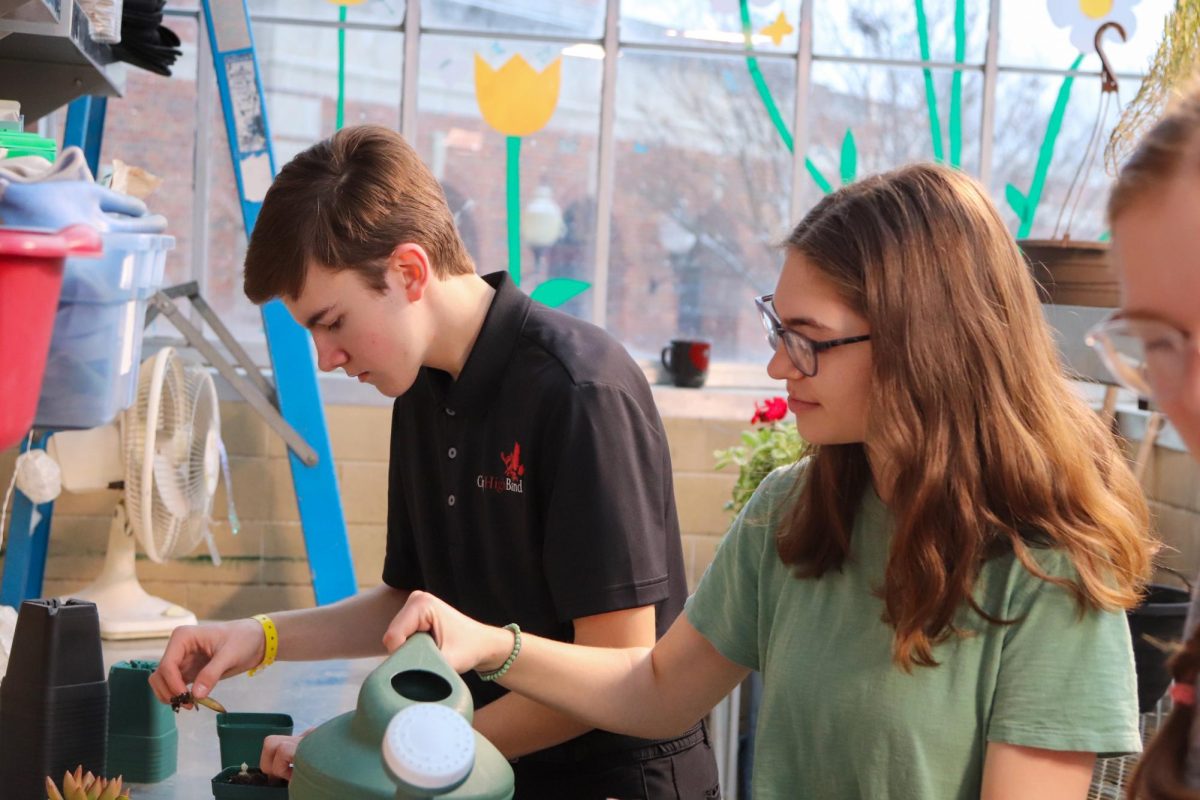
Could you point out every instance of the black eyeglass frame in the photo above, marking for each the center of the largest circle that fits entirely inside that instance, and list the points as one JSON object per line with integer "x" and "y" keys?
{"x": 774, "y": 329}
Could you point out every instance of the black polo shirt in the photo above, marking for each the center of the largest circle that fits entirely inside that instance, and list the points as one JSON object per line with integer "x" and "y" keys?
{"x": 537, "y": 487}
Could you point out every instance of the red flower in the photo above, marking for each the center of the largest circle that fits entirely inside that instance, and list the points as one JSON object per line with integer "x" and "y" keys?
{"x": 772, "y": 409}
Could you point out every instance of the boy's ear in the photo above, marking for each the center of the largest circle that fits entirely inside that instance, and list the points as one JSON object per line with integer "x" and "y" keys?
{"x": 409, "y": 270}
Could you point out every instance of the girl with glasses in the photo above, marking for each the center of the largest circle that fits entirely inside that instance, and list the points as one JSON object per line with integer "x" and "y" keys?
{"x": 935, "y": 594}
{"x": 1152, "y": 345}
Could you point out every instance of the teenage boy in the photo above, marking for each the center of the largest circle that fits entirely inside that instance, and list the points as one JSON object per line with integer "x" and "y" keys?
{"x": 529, "y": 481}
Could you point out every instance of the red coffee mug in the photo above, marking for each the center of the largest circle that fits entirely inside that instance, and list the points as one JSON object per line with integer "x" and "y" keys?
{"x": 686, "y": 360}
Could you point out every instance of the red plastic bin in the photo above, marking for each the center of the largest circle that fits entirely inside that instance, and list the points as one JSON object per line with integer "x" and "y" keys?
{"x": 31, "y": 270}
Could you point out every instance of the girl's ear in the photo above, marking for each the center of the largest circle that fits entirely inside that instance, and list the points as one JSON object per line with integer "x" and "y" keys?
{"x": 409, "y": 270}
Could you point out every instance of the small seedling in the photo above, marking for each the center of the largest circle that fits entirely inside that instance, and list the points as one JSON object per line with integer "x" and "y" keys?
{"x": 187, "y": 699}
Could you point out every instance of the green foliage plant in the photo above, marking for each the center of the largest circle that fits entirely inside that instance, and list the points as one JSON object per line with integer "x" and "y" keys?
{"x": 772, "y": 442}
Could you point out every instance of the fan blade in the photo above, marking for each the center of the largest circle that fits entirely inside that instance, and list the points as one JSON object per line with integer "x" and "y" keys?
{"x": 171, "y": 482}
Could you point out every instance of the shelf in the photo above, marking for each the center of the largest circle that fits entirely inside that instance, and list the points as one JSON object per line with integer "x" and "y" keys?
{"x": 46, "y": 63}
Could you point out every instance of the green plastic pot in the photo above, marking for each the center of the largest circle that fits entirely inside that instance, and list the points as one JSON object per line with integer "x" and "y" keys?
{"x": 241, "y": 734}
{"x": 143, "y": 742}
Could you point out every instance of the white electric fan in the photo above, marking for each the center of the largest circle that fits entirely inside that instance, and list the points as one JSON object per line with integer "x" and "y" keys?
{"x": 166, "y": 447}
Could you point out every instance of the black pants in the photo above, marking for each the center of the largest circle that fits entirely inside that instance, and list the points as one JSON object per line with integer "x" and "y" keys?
{"x": 677, "y": 769}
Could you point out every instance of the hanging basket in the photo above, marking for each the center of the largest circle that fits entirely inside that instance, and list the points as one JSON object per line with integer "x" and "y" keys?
{"x": 1071, "y": 272}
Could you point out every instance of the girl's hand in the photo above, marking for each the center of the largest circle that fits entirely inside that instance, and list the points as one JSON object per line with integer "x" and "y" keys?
{"x": 465, "y": 643}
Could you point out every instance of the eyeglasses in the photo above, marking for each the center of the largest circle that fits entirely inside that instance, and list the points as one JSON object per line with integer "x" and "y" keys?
{"x": 1146, "y": 355}
{"x": 800, "y": 349}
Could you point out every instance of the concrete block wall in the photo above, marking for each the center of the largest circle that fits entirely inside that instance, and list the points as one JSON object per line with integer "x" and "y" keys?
{"x": 265, "y": 566}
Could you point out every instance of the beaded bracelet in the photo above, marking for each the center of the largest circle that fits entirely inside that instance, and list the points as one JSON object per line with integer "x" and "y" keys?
{"x": 496, "y": 674}
{"x": 271, "y": 634}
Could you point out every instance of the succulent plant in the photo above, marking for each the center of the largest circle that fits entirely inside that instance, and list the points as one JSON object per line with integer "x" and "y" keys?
{"x": 79, "y": 785}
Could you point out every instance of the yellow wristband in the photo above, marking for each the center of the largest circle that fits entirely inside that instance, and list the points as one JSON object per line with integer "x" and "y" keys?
{"x": 272, "y": 646}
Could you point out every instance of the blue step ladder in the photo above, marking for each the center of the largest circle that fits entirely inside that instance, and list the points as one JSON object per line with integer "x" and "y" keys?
{"x": 296, "y": 390}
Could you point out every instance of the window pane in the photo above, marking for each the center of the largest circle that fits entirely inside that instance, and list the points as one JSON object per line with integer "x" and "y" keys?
{"x": 1030, "y": 35}
{"x": 557, "y": 163}
{"x": 300, "y": 76}
{"x": 702, "y": 195}
{"x": 567, "y": 18}
{"x": 379, "y": 11}
{"x": 712, "y": 22}
{"x": 887, "y": 111}
{"x": 1024, "y": 105}
{"x": 878, "y": 29}
{"x": 153, "y": 127}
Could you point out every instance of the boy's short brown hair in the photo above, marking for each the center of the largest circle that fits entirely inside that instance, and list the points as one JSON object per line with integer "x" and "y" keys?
{"x": 345, "y": 203}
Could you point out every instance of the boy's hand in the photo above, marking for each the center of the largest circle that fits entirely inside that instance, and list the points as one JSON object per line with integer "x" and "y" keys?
{"x": 204, "y": 654}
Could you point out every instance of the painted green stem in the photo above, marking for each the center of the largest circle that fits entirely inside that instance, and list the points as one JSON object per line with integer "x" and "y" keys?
{"x": 960, "y": 55}
{"x": 1047, "y": 152}
{"x": 935, "y": 126}
{"x": 341, "y": 78}
{"x": 513, "y": 184}
{"x": 764, "y": 93}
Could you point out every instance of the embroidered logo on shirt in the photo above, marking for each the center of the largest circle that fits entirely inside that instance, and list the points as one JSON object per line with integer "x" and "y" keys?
{"x": 513, "y": 468}
{"x": 514, "y": 472}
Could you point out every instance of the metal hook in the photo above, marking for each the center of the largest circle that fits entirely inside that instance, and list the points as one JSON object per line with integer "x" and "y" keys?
{"x": 1109, "y": 78}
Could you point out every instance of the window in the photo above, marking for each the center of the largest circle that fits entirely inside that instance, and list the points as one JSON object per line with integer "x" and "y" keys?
{"x": 664, "y": 175}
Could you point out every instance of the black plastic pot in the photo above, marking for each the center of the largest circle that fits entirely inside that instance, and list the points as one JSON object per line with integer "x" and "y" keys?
{"x": 1161, "y": 615}
{"x": 54, "y": 697}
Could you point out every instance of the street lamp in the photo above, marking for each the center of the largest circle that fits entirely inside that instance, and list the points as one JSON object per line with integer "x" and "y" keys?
{"x": 542, "y": 224}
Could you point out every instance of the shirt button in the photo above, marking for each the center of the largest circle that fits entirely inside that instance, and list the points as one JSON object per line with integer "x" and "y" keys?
{"x": 451, "y": 500}
{"x": 450, "y": 412}
{"x": 452, "y": 452}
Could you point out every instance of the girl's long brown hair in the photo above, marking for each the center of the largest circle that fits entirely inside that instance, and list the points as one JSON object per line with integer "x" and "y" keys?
{"x": 990, "y": 448}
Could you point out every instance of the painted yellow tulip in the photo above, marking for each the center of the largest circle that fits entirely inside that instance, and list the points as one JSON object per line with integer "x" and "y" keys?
{"x": 517, "y": 100}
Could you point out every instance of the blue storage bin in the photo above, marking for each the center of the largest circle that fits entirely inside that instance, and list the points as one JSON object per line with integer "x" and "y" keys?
{"x": 96, "y": 348}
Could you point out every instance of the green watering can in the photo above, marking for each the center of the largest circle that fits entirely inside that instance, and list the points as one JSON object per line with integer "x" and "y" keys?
{"x": 410, "y": 737}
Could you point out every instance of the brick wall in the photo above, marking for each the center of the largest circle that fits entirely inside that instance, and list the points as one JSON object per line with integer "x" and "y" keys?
{"x": 265, "y": 566}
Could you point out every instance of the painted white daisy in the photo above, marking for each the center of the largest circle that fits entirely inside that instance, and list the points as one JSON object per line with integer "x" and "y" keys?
{"x": 1084, "y": 18}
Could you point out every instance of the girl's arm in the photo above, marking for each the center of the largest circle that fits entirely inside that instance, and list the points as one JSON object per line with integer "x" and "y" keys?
{"x": 656, "y": 692}
{"x": 1012, "y": 772}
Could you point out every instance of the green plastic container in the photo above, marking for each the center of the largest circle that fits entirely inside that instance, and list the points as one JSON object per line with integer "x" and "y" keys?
{"x": 20, "y": 143}
{"x": 143, "y": 742}
{"x": 242, "y": 732}
{"x": 344, "y": 757}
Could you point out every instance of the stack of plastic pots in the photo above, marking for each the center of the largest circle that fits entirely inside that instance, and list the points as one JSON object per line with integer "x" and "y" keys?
{"x": 31, "y": 270}
{"x": 54, "y": 698}
{"x": 143, "y": 741}
{"x": 95, "y": 352}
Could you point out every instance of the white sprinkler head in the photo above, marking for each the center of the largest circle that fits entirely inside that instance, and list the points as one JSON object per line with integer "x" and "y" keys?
{"x": 429, "y": 746}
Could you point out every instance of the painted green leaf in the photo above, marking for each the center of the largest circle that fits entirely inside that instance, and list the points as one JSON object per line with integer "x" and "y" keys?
{"x": 1046, "y": 152}
{"x": 557, "y": 291}
{"x": 849, "y": 158}
{"x": 1106, "y": 236}
{"x": 1016, "y": 201}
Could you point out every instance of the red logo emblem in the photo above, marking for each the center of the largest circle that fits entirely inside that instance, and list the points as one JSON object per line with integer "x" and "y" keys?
{"x": 513, "y": 468}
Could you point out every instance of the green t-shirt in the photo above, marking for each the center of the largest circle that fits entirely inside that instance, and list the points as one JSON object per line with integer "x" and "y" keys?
{"x": 840, "y": 720}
